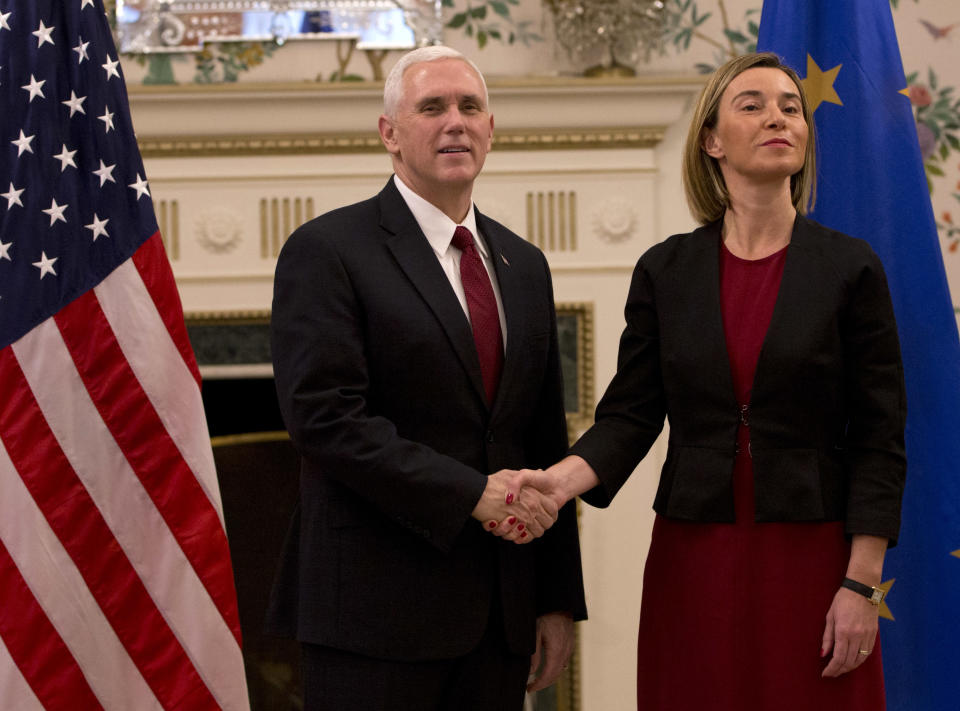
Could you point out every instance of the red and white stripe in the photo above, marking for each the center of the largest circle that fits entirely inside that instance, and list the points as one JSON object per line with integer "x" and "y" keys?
{"x": 114, "y": 565}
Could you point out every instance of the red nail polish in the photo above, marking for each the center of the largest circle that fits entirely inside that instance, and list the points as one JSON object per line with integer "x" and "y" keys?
{"x": 523, "y": 535}
{"x": 492, "y": 524}
{"x": 520, "y": 527}
{"x": 512, "y": 520}
{"x": 509, "y": 497}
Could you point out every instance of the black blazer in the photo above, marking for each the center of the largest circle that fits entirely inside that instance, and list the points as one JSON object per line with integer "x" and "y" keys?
{"x": 380, "y": 388}
{"x": 827, "y": 409}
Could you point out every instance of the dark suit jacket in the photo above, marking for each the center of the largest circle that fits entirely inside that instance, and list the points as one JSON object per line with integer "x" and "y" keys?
{"x": 380, "y": 388}
{"x": 827, "y": 409}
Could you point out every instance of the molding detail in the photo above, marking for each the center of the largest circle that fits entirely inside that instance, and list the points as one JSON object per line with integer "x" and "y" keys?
{"x": 552, "y": 220}
{"x": 615, "y": 220}
{"x": 168, "y": 220}
{"x": 219, "y": 230}
{"x": 369, "y": 142}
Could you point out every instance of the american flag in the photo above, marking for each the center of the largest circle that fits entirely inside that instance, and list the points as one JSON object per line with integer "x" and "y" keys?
{"x": 116, "y": 588}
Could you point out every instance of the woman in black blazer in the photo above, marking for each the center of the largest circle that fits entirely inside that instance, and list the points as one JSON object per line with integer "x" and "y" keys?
{"x": 769, "y": 343}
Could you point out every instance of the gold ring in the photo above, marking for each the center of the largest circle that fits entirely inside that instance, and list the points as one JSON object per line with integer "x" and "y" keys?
{"x": 865, "y": 652}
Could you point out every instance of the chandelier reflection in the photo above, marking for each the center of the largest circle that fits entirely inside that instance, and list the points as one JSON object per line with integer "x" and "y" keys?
{"x": 619, "y": 31}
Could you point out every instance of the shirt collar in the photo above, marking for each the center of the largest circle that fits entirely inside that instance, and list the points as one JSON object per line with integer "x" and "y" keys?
{"x": 436, "y": 226}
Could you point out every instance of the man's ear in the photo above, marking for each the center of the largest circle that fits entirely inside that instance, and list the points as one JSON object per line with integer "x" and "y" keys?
{"x": 388, "y": 134}
{"x": 711, "y": 144}
{"x": 490, "y": 136}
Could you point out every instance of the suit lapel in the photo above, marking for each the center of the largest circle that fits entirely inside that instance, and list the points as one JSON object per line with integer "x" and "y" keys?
{"x": 417, "y": 260}
{"x": 514, "y": 304}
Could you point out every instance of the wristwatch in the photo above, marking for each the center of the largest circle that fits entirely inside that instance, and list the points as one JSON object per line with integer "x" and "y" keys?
{"x": 874, "y": 595}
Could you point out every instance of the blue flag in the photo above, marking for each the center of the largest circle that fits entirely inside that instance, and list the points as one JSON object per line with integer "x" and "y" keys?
{"x": 871, "y": 184}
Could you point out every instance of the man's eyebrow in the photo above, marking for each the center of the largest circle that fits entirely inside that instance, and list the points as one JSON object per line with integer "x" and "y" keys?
{"x": 428, "y": 100}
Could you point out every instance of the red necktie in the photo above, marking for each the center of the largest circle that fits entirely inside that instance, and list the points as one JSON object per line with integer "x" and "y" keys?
{"x": 482, "y": 305}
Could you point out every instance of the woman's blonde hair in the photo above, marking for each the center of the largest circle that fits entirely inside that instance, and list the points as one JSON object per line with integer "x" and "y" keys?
{"x": 703, "y": 183}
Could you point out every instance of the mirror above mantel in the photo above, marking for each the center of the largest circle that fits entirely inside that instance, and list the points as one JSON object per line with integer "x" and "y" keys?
{"x": 170, "y": 26}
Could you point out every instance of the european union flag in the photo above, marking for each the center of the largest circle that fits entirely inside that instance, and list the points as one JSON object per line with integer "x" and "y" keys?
{"x": 871, "y": 184}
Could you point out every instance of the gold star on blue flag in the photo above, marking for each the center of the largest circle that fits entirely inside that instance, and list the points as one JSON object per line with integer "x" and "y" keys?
{"x": 871, "y": 184}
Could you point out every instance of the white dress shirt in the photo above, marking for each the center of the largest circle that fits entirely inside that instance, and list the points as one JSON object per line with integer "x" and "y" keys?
{"x": 439, "y": 230}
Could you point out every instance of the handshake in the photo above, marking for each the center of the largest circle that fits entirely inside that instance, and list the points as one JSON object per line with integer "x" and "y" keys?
{"x": 520, "y": 506}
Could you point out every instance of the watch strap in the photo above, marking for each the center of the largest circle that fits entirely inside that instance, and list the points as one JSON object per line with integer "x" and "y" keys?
{"x": 874, "y": 595}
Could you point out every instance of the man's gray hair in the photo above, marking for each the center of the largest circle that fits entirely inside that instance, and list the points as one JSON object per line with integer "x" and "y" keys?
{"x": 393, "y": 86}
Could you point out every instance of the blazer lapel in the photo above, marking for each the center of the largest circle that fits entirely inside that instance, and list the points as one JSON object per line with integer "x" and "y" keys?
{"x": 704, "y": 280}
{"x": 796, "y": 295}
{"x": 418, "y": 261}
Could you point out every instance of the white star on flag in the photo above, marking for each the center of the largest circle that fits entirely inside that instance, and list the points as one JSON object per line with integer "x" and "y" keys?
{"x": 23, "y": 144}
{"x": 35, "y": 88}
{"x": 105, "y": 173}
{"x": 45, "y": 265}
{"x": 111, "y": 519}
{"x": 56, "y": 212}
{"x": 98, "y": 227}
{"x": 42, "y": 34}
{"x": 81, "y": 50}
{"x": 13, "y": 196}
{"x": 140, "y": 186}
{"x": 66, "y": 158}
{"x": 107, "y": 119}
{"x": 111, "y": 67}
{"x": 75, "y": 103}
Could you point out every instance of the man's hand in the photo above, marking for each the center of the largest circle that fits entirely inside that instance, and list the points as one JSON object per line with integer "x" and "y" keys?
{"x": 554, "y": 647}
{"x": 851, "y": 627}
{"x": 529, "y": 514}
{"x": 536, "y": 489}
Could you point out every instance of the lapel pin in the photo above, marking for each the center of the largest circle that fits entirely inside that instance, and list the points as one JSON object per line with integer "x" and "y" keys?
{"x": 504, "y": 259}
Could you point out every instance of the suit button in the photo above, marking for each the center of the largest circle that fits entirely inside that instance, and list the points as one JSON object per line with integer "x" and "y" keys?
{"x": 490, "y": 436}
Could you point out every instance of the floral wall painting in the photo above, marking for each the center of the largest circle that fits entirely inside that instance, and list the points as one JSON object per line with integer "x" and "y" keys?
{"x": 510, "y": 38}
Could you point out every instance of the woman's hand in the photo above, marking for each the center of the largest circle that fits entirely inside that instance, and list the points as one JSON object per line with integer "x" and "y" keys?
{"x": 851, "y": 632}
{"x": 534, "y": 492}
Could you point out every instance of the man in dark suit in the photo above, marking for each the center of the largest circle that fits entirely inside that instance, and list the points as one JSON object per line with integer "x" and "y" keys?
{"x": 414, "y": 361}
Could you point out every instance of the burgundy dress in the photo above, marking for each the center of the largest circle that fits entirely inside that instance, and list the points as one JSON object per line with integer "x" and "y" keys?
{"x": 733, "y": 615}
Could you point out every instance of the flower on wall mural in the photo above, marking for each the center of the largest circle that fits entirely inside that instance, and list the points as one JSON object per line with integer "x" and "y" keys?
{"x": 937, "y": 111}
{"x": 225, "y": 61}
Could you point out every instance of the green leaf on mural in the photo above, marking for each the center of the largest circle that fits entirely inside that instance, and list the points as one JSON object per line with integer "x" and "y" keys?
{"x": 500, "y": 8}
{"x": 457, "y": 20}
{"x": 933, "y": 169}
{"x": 735, "y": 36}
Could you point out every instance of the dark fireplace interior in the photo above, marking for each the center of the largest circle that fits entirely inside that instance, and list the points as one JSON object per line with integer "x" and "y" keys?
{"x": 258, "y": 472}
